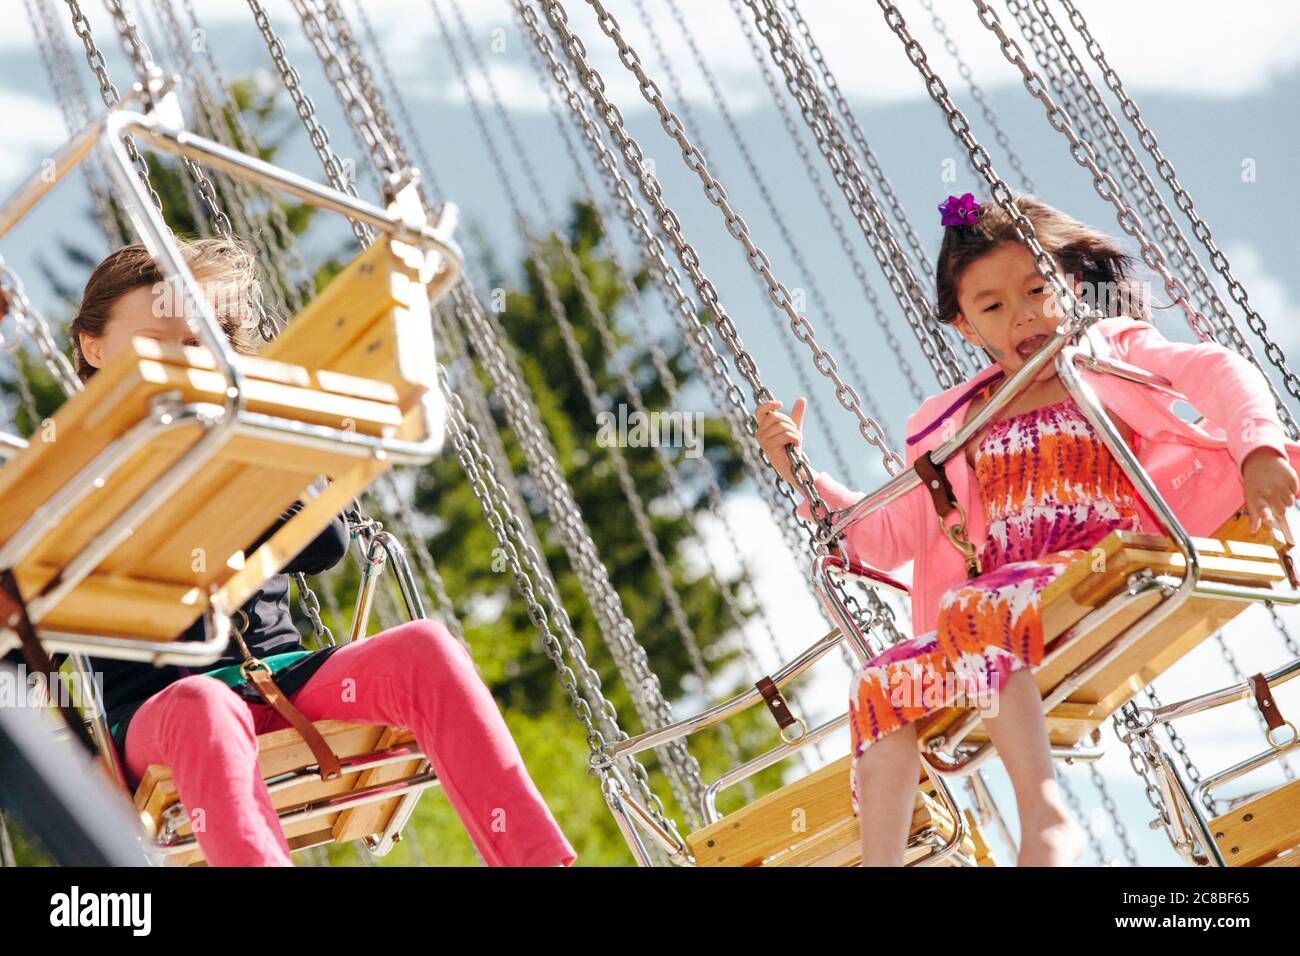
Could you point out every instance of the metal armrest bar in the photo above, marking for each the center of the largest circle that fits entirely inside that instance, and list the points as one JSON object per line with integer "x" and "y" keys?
{"x": 1261, "y": 759}
{"x": 191, "y": 653}
{"x": 907, "y": 480}
{"x": 164, "y": 415}
{"x": 11, "y": 445}
{"x": 1225, "y": 695}
{"x": 763, "y": 761}
{"x": 403, "y": 753}
{"x": 720, "y": 712}
{"x": 169, "y": 844}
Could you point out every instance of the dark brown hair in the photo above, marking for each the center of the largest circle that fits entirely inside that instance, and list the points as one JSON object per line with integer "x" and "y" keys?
{"x": 1092, "y": 257}
{"x": 222, "y": 266}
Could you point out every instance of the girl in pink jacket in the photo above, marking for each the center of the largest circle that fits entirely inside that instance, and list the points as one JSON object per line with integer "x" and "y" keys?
{"x": 1039, "y": 489}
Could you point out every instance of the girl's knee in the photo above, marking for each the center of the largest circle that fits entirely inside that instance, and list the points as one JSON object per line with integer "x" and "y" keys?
{"x": 428, "y": 643}
{"x": 208, "y": 700}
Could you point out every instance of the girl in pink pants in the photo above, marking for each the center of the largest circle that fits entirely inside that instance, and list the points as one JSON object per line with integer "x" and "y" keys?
{"x": 416, "y": 676}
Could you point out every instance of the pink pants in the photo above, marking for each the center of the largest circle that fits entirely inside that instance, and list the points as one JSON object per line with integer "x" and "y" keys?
{"x": 416, "y": 676}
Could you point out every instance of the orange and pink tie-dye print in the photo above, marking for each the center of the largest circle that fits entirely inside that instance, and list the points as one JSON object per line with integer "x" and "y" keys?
{"x": 1050, "y": 491}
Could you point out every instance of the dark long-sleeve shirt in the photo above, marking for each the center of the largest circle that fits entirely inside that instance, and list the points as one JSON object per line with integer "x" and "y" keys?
{"x": 128, "y": 684}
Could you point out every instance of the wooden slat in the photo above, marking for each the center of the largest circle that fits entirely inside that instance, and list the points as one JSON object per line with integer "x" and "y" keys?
{"x": 373, "y": 817}
{"x": 279, "y": 752}
{"x": 1255, "y": 832}
{"x": 809, "y": 822}
{"x": 195, "y": 539}
{"x": 1232, "y": 554}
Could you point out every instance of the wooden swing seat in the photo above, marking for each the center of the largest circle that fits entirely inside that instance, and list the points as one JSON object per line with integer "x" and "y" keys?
{"x": 358, "y": 358}
{"x": 283, "y": 752}
{"x": 1232, "y": 555}
{"x": 764, "y": 833}
{"x": 1263, "y": 831}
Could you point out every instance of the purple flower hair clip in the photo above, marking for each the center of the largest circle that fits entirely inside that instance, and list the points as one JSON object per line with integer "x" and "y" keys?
{"x": 960, "y": 211}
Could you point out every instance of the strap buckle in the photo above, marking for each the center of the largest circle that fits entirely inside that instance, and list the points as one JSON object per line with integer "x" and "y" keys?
{"x": 960, "y": 539}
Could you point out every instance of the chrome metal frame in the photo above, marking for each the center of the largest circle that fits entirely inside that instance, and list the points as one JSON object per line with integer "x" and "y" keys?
{"x": 161, "y": 126}
{"x": 949, "y": 755}
{"x": 1170, "y": 591}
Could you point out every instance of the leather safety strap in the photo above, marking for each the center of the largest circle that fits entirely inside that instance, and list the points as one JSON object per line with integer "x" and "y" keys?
{"x": 1267, "y": 705}
{"x": 13, "y": 615}
{"x": 936, "y": 482}
{"x": 259, "y": 676}
{"x": 776, "y": 703}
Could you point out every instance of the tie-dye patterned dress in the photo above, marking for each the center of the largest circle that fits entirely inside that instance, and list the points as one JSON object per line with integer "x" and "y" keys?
{"x": 1051, "y": 490}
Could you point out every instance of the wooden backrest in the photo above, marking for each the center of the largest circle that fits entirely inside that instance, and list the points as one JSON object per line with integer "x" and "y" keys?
{"x": 373, "y": 322}
{"x": 1232, "y": 554}
{"x": 816, "y": 809}
{"x": 190, "y": 551}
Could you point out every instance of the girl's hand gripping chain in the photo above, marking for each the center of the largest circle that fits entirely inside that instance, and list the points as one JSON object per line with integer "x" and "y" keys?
{"x": 778, "y": 432}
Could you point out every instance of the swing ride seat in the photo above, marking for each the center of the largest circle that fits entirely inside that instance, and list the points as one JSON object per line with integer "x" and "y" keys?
{"x": 379, "y": 764}
{"x": 1232, "y": 555}
{"x": 351, "y": 361}
{"x": 764, "y": 833}
{"x": 1262, "y": 831}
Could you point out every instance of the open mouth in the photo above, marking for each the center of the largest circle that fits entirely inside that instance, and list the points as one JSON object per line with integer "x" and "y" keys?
{"x": 1030, "y": 345}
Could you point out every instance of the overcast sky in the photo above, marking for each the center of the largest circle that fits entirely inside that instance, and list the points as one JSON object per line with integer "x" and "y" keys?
{"x": 1218, "y": 84}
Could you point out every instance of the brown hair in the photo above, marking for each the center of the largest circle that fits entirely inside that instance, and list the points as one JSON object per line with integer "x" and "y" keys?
{"x": 1092, "y": 257}
{"x": 221, "y": 265}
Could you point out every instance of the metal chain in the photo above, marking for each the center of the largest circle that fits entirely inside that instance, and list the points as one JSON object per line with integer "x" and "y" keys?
{"x": 1218, "y": 260}
{"x": 56, "y": 57}
{"x": 1180, "y": 747}
{"x": 1138, "y": 761}
{"x": 666, "y": 377}
{"x": 309, "y": 604}
{"x": 691, "y": 128}
{"x": 31, "y": 321}
{"x": 686, "y": 255}
{"x": 859, "y": 195}
{"x": 714, "y": 191}
{"x": 1080, "y": 814}
{"x": 108, "y": 93}
{"x": 693, "y": 329}
{"x": 281, "y": 241}
{"x": 1083, "y": 154}
{"x": 532, "y": 576}
{"x": 238, "y": 195}
{"x": 146, "y": 71}
{"x": 1149, "y": 201}
{"x": 1238, "y": 675}
{"x": 760, "y": 183}
{"x": 360, "y": 113}
{"x": 873, "y": 164}
{"x": 642, "y": 684}
{"x": 433, "y": 580}
{"x": 574, "y": 266}
{"x": 998, "y": 189}
{"x": 1112, "y": 810}
{"x": 977, "y": 94}
{"x": 855, "y": 263}
{"x": 306, "y": 110}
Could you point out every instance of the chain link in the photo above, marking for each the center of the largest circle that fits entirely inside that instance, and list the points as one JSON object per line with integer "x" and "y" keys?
{"x": 306, "y": 110}
{"x": 1083, "y": 154}
{"x": 1236, "y": 291}
{"x": 977, "y": 94}
{"x": 823, "y": 197}
{"x": 693, "y": 329}
{"x": 859, "y": 195}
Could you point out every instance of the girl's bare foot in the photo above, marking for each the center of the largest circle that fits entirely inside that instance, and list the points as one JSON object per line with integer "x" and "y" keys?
{"x": 1049, "y": 838}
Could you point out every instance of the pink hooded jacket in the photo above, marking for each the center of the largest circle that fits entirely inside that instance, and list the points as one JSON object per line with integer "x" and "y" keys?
{"x": 1196, "y": 467}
